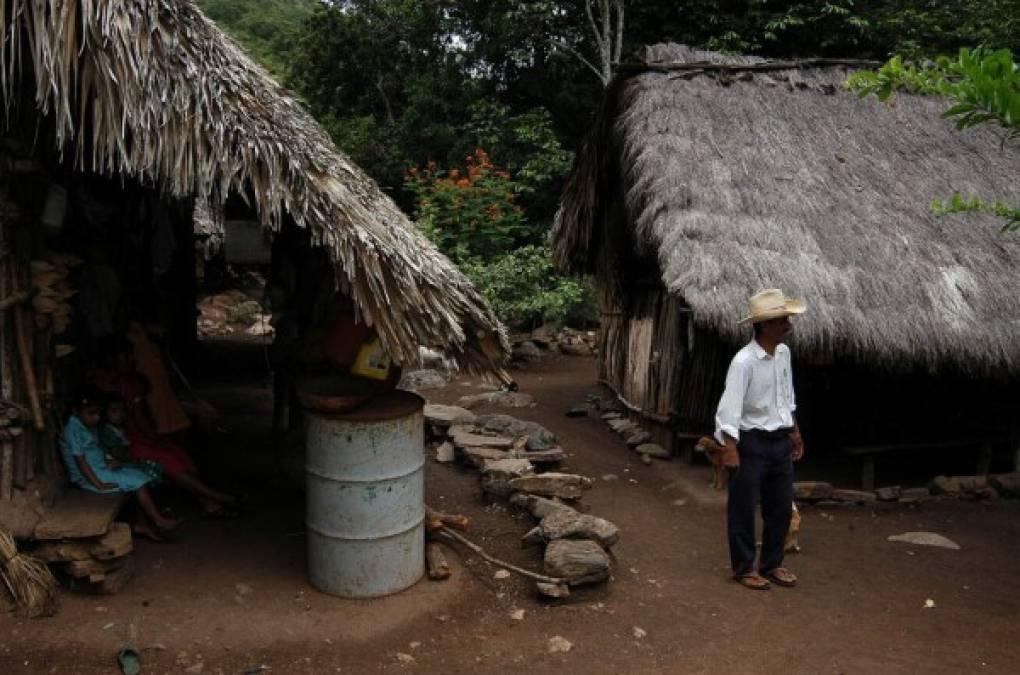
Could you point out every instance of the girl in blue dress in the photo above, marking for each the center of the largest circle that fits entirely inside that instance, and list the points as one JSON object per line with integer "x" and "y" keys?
{"x": 91, "y": 468}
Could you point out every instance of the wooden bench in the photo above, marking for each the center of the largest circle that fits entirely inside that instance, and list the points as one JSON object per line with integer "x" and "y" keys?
{"x": 79, "y": 514}
{"x": 868, "y": 454}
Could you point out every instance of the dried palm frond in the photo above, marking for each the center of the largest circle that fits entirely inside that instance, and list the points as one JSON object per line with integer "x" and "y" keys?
{"x": 29, "y": 581}
{"x": 154, "y": 90}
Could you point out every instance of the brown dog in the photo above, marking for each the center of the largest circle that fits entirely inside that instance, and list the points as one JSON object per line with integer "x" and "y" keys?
{"x": 714, "y": 452}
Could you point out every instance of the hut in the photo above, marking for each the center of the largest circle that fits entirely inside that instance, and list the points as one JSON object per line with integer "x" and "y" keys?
{"x": 708, "y": 177}
{"x": 117, "y": 118}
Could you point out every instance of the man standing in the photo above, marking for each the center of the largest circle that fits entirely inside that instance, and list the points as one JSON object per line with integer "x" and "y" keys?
{"x": 755, "y": 423}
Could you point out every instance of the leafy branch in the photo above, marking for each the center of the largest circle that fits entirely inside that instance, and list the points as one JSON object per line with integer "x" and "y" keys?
{"x": 984, "y": 86}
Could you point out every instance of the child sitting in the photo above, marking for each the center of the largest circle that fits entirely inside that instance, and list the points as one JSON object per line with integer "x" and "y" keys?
{"x": 89, "y": 468}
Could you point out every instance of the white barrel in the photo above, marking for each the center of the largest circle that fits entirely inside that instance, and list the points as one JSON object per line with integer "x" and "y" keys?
{"x": 366, "y": 497}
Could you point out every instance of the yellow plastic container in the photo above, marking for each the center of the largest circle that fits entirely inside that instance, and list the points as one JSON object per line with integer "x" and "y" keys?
{"x": 372, "y": 361}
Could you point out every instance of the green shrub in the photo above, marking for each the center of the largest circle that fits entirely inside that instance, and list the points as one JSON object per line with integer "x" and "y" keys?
{"x": 525, "y": 291}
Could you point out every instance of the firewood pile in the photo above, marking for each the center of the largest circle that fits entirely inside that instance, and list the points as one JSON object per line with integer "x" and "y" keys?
{"x": 101, "y": 564}
{"x": 516, "y": 461}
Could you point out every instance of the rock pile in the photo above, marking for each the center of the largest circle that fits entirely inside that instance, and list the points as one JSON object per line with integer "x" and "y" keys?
{"x": 549, "y": 339}
{"x": 232, "y": 312}
{"x": 512, "y": 456}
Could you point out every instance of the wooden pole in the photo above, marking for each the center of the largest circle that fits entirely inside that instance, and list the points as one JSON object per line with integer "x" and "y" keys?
{"x": 6, "y": 374}
{"x": 6, "y": 471}
{"x": 27, "y": 368}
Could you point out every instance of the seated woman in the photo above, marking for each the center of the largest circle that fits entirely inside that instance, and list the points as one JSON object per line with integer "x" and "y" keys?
{"x": 89, "y": 467}
{"x": 131, "y": 416}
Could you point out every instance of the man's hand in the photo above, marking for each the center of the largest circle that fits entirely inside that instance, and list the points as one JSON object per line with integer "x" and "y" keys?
{"x": 730, "y": 456}
{"x": 798, "y": 446}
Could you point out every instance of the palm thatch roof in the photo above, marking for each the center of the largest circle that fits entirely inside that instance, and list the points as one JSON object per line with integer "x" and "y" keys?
{"x": 154, "y": 90}
{"x": 739, "y": 176}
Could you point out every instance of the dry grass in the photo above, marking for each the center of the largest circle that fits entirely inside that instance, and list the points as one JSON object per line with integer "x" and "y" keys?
{"x": 735, "y": 181}
{"x": 153, "y": 89}
{"x": 28, "y": 581}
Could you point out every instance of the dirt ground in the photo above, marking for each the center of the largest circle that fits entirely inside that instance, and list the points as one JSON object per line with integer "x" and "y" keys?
{"x": 232, "y": 597}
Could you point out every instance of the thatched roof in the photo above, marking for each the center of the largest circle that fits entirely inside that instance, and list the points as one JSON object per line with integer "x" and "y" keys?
{"x": 165, "y": 96}
{"x": 737, "y": 180}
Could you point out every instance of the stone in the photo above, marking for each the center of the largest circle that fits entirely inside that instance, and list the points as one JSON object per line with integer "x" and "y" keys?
{"x": 550, "y": 456}
{"x": 544, "y": 335}
{"x": 465, "y": 437}
{"x": 955, "y": 485}
{"x": 622, "y": 426}
{"x": 477, "y": 457}
{"x": 610, "y": 416}
{"x": 812, "y": 490}
{"x": 559, "y": 645}
{"x": 652, "y": 450}
{"x": 914, "y": 495}
{"x": 445, "y": 452}
{"x": 926, "y": 539}
{"x": 422, "y": 380}
{"x": 526, "y": 351}
{"x": 577, "y": 561}
{"x": 539, "y": 438}
{"x": 853, "y": 496}
{"x": 551, "y": 484}
{"x": 539, "y": 507}
{"x": 498, "y": 475}
{"x": 557, "y": 591}
{"x": 577, "y": 412}
{"x": 646, "y": 460}
{"x": 888, "y": 494}
{"x": 569, "y": 524}
{"x": 575, "y": 349}
{"x": 1007, "y": 484}
{"x": 984, "y": 493}
{"x": 638, "y": 437}
{"x": 447, "y": 415}
{"x": 504, "y": 399}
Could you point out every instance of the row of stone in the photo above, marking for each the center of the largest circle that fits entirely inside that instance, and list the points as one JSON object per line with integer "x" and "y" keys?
{"x": 636, "y": 438}
{"x": 506, "y": 452}
{"x": 975, "y": 487}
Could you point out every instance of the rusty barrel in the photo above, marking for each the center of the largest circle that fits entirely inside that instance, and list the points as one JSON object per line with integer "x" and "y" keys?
{"x": 366, "y": 497}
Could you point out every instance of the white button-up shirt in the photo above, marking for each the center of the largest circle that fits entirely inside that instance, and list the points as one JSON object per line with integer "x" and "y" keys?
{"x": 759, "y": 392}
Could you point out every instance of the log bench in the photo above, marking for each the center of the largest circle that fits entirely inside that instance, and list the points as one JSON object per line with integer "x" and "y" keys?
{"x": 869, "y": 453}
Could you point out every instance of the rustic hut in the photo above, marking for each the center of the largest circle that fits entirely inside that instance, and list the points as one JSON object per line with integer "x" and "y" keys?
{"x": 147, "y": 103}
{"x": 708, "y": 177}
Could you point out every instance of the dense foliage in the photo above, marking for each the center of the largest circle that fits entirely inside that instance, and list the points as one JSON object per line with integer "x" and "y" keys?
{"x": 984, "y": 88}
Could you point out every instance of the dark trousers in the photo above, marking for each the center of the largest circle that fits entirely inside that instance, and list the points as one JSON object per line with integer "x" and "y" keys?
{"x": 765, "y": 476}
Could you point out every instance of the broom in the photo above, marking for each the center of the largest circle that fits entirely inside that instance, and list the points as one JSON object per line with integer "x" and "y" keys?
{"x": 29, "y": 581}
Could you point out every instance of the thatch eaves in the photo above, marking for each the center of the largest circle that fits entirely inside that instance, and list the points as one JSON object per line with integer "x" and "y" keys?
{"x": 166, "y": 97}
{"x": 741, "y": 179}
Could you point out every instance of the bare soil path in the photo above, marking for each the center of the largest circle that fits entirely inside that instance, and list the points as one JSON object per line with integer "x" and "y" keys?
{"x": 232, "y": 596}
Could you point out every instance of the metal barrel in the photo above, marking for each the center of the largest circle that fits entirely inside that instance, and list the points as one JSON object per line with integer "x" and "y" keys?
{"x": 366, "y": 497}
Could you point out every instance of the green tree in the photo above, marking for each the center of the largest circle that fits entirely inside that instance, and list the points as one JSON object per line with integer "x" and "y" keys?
{"x": 984, "y": 88}
{"x": 268, "y": 29}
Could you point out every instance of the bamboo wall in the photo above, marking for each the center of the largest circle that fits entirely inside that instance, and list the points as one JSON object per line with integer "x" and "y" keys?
{"x": 27, "y": 426}
{"x": 661, "y": 366}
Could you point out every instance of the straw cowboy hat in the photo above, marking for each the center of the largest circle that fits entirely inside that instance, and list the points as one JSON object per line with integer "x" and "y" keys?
{"x": 772, "y": 304}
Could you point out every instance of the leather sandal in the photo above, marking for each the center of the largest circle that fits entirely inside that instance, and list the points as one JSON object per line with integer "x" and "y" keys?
{"x": 754, "y": 581}
{"x": 782, "y": 577}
